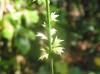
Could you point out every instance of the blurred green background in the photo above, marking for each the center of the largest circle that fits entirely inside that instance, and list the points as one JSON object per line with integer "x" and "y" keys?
{"x": 78, "y": 26}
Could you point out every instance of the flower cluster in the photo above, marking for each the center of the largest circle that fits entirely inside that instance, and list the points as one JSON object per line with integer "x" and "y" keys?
{"x": 56, "y": 47}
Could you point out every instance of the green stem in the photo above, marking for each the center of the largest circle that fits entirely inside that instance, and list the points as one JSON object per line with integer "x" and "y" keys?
{"x": 48, "y": 22}
{"x": 52, "y": 68}
{"x": 49, "y": 33}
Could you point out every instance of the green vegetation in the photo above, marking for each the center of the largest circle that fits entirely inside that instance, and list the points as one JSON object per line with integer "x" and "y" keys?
{"x": 49, "y": 37}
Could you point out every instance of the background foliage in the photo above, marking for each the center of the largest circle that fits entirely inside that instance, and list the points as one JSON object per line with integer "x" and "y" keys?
{"x": 78, "y": 26}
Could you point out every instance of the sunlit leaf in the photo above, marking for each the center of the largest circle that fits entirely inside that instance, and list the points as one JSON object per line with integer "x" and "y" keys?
{"x": 31, "y": 35}
{"x": 16, "y": 15}
{"x": 8, "y": 31}
{"x": 31, "y": 16}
